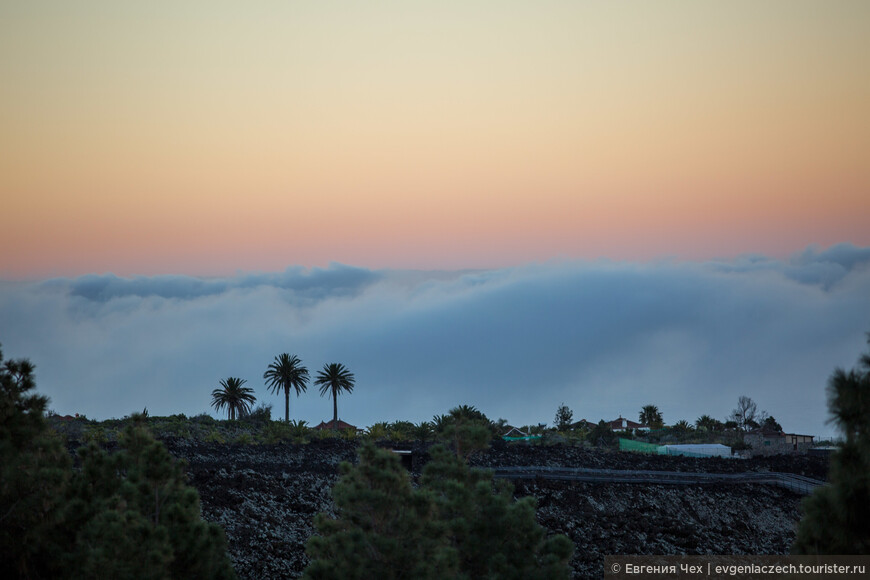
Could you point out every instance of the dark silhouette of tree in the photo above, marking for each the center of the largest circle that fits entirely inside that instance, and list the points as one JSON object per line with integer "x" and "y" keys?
{"x": 285, "y": 373}
{"x": 333, "y": 379}
{"x": 602, "y": 435}
{"x": 746, "y": 413}
{"x": 457, "y": 524}
{"x": 837, "y": 516}
{"x": 128, "y": 514}
{"x": 709, "y": 423}
{"x": 651, "y": 417}
{"x": 772, "y": 424}
{"x": 564, "y": 415}
{"x": 236, "y": 398}
{"x": 466, "y": 428}
{"x": 34, "y": 471}
{"x": 131, "y": 514}
{"x": 467, "y": 413}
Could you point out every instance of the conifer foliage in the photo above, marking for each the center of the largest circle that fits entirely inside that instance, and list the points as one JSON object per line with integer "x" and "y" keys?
{"x": 34, "y": 471}
{"x": 128, "y": 514}
{"x": 136, "y": 517}
{"x": 456, "y": 524}
{"x": 837, "y": 516}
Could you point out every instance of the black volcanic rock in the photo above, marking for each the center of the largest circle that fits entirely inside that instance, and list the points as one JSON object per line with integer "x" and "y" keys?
{"x": 266, "y": 496}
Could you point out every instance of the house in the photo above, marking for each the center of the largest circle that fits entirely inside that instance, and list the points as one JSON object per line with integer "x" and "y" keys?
{"x": 331, "y": 424}
{"x": 766, "y": 441}
{"x": 764, "y": 437}
{"x": 795, "y": 440}
{"x": 622, "y": 424}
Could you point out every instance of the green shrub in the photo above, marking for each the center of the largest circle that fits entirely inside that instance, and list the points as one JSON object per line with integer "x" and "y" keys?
{"x": 214, "y": 436}
{"x": 259, "y": 417}
{"x": 378, "y": 431}
{"x": 602, "y": 435}
{"x": 423, "y": 431}
{"x": 95, "y": 434}
{"x": 244, "y": 438}
{"x": 204, "y": 419}
{"x": 401, "y": 431}
{"x": 276, "y": 432}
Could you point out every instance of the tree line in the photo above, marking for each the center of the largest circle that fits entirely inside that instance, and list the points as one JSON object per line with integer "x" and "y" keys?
{"x": 745, "y": 417}
{"x": 286, "y": 373}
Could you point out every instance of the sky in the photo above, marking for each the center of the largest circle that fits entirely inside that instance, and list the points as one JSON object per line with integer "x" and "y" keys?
{"x": 185, "y": 161}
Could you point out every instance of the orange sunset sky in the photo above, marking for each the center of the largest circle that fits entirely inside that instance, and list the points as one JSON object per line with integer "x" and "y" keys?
{"x": 210, "y": 137}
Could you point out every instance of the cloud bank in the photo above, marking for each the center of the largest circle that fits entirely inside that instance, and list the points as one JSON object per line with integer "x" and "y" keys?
{"x": 603, "y": 337}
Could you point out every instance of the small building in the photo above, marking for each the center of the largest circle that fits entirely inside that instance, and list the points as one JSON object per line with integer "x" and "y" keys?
{"x": 794, "y": 439}
{"x": 341, "y": 426}
{"x": 623, "y": 424}
{"x": 515, "y": 432}
{"x": 772, "y": 442}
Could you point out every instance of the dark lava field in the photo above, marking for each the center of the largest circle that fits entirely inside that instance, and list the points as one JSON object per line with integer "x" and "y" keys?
{"x": 266, "y": 496}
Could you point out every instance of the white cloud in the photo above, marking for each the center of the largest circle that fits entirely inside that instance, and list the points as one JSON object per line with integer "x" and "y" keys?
{"x": 605, "y": 338}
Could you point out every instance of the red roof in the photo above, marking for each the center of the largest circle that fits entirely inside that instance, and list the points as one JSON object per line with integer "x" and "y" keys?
{"x": 621, "y": 424}
{"x": 330, "y": 425}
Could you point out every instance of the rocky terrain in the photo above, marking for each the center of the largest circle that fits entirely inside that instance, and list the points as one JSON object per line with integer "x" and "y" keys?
{"x": 266, "y": 496}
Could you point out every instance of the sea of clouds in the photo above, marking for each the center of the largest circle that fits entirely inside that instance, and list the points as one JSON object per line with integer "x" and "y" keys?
{"x": 603, "y": 337}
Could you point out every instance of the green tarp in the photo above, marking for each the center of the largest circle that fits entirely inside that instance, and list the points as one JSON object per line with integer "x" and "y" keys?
{"x": 640, "y": 447}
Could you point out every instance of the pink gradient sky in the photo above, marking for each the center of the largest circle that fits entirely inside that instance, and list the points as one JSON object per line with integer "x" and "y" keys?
{"x": 211, "y": 138}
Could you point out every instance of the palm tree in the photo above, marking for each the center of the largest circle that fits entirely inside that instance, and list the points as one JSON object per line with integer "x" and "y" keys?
{"x": 236, "y": 398}
{"x": 286, "y": 373}
{"x": 708, "y": 423}
{"x": 650, "y": 416}
{"x": 333, "y": 379}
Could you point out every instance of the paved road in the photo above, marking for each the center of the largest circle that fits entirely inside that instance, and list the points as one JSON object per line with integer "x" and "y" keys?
{"x": 791, "y": 481}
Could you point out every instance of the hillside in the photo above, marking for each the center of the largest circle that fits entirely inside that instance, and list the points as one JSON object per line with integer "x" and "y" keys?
{"x": 265, "y": 497}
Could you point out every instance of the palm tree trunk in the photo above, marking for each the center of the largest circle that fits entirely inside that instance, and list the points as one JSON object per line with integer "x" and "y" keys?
{"x": 334, "y": 410}
{"x": 286, "y": 405}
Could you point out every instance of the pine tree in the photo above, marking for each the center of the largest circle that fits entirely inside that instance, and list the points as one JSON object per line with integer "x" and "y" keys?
{"x": 385, "y": 529}
{"x": 124, "y": 515}
{"x": 837, "y": 516}
{"x": 494, "y": 535}
{"x": 454, "y": 525}
{"x": 135, "y": 516}
{"x": 34, "y": 470}
{"x": 564, "y": 415}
